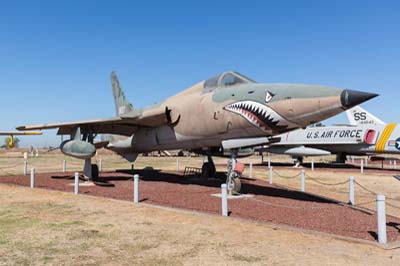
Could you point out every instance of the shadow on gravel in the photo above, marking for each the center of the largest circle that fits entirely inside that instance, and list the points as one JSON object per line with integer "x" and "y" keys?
{"x": 374, "y": 235}
{"x": 249, "y": 186}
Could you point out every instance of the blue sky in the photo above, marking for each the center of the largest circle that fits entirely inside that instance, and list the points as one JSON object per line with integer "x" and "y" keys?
{"x": 56, "y": 56}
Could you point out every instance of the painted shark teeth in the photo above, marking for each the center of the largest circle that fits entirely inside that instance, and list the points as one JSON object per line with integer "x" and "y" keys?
{"x": 260, "y": 115}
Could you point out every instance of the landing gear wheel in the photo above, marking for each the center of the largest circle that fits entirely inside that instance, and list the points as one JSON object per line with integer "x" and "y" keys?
{"x": 95, "y": 172}
{"x": 234, "y": 185}
{"x": 237, "y": 186}
{"x": 208, "y": 170}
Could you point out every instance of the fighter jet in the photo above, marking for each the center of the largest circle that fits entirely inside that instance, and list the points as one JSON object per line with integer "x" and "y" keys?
{"x": 366, "y": 135}
{"x": 11, "y": 134}
{"x": 228, "y": 111}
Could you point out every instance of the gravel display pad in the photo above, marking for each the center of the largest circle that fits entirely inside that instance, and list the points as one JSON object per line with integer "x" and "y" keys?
{"x": 270, "y": 203}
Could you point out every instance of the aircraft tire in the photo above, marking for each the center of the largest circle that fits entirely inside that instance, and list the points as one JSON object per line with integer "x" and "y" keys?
{"x": 208, "y": 170}
{"x": 95, "y": 172}
{"x": 237, "y": 185}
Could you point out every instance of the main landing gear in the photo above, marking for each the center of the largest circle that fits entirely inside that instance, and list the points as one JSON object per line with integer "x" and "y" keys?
{"x": 90, "y": 171}
{"x": 208, "y": 168}
{"x": 298, "y": 161}
{"x": 234, "y": 172}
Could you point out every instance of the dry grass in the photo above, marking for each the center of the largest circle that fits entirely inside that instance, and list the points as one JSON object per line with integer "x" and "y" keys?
{"x": 53, "y": 228}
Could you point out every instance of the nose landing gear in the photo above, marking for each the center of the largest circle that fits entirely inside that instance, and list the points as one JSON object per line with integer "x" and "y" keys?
{"x": 234, "y": 172}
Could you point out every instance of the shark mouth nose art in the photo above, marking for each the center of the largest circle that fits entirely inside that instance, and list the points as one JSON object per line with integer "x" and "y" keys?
{"x": 260, "y": 115}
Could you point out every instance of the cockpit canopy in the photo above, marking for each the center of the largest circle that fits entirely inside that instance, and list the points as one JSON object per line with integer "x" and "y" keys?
{"x": 226, "y": 79}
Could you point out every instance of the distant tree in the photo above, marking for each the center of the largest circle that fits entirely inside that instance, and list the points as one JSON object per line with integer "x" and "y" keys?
{"x": 7, "y": 141}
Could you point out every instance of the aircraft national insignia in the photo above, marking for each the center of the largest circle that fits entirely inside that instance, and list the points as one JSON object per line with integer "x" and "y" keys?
{"x": 268, "y": 96}
{"x": 398, "y": 143}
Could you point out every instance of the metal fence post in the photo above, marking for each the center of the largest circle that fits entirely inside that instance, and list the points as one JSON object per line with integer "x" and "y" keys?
{"x": 251, "y": 170}
{"x": 380, "y": 207}
{"x": 352, "y": 159}
{"x": 25, "y": 167}
{"x": 32, "y": 177}
{"x": 351, "y": 190}
{"x": 312, "y": 164}
{"x": 177, "y": 164}
{"x": 366, "y": 161}
{"x": 395, "y": 164}
{"x": 303, "y": 181}
{"x": 64, "y": 166}
{"x": 224, "y": 199}
{"x": 76, "y": 185}
{"x": 270, "y": 175}
{"x": 136, "y": 189}
{"x": 100, "y": 165}
{"x": 362, "y": 166}
{"x": 269, "y": 161}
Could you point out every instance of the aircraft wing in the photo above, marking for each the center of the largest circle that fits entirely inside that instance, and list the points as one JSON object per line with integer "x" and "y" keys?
{"x": 117, "y": 125}
{"x": 18, "y": 133}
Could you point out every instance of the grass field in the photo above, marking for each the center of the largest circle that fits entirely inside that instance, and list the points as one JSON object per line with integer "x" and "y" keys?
{"x": 54, "y": 228}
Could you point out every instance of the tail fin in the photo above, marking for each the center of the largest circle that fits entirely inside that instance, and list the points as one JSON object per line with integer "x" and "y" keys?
{"x": 122, "y": 106}
{"x": 359, "y": 116}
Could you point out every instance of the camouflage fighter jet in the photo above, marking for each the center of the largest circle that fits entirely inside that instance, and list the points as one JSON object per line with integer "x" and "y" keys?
{"x": 366, "y": 135}
{"x": 228, "y": 111}
{"x": 11, "y": 134}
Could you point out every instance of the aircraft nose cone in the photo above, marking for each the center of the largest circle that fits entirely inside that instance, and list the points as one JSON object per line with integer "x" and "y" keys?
{"x": 350, "y": 98}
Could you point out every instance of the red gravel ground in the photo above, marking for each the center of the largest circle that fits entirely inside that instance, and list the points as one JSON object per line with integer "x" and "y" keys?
{"x": 269, "y": 204}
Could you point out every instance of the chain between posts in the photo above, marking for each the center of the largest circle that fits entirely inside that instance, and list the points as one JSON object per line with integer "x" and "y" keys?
{"x": 366, "y": 189}
{"x": 11, "y": 166}
{"x": 287, "y": 177}
{"x": 7, "y": 173}
{"x": 393, "y": 206}
{"x": 326, "y": 184}
{"x": 284, "y": 206}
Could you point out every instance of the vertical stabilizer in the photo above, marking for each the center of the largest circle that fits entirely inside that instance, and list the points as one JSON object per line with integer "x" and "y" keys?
{"x": 122, "y": 106}
{"x": 359, "y": 116}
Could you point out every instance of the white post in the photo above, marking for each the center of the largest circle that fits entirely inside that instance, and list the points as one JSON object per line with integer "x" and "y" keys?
{"x": 251, "y": 170}
{"x": 224, "y": 199}
{"x": 269, "y": 161}
{"x": 380, "y": 206}
{"x": 303, "y": 181}
{"x": 352, "y": 159}
{"x": 76, "y": 185}
{"x": 362, "y": 166}
{"x": 270, "y": 175}
{"x": 32, "y": 177}
{"x": 312, "y": 165}
{"x": 25, "y": 167}
{"x": 351, "y": 190}
{"x": 177, "y": 164}
{"x": 136, "y": 189}
{"x": 395, "y": 164}
{"x": 100, "y": 165}
{"x": 390, "y": 162}
{"x": 366, "y": 161}
{"x": 64, "y": 166}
